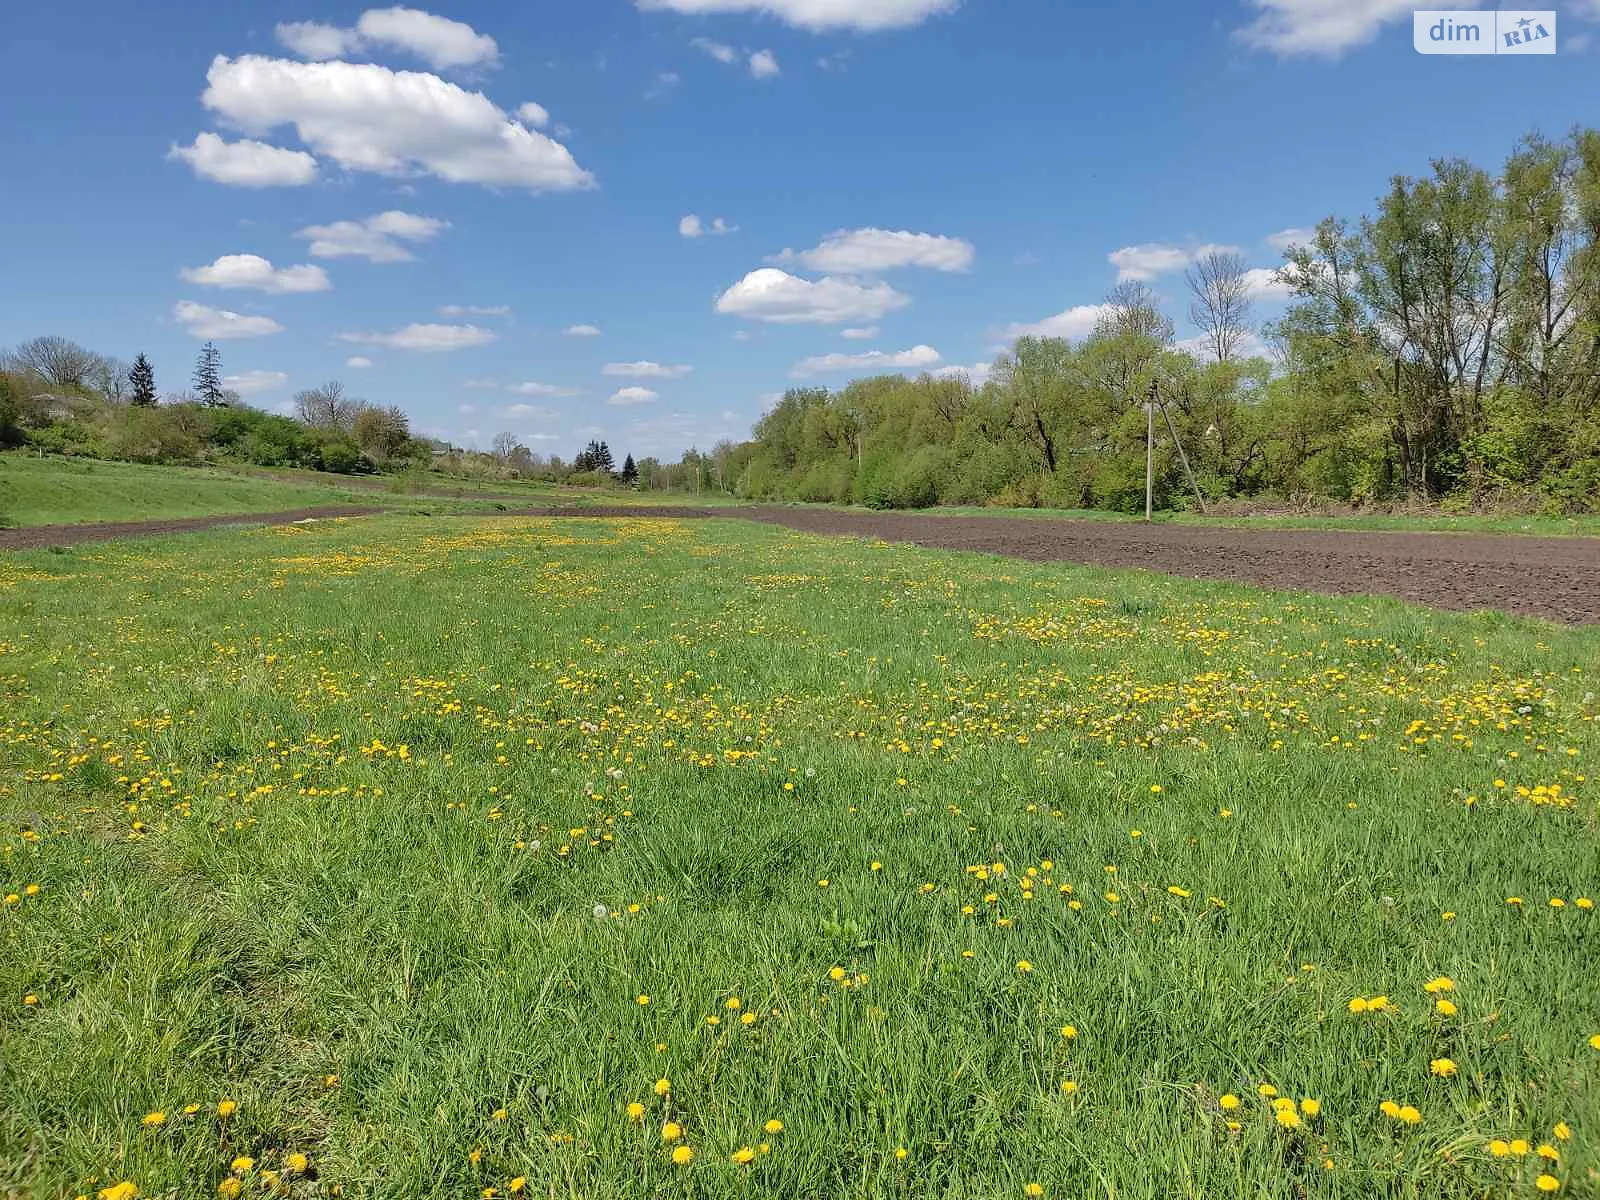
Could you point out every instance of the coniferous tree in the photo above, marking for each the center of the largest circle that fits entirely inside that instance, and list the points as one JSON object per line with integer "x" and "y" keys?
{"x": 208, "y": 376}
{"x": 142, "y": 383}
{"x": 630, "y": 473}
{"x": 603, "y": 460}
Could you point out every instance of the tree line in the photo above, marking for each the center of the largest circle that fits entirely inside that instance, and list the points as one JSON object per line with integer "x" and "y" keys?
{"x": 1445, "y": 347}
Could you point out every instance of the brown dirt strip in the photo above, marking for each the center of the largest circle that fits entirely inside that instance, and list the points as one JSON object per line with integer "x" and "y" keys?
{"x": 43, "y": 537}
{"x": 1554, "y": 578}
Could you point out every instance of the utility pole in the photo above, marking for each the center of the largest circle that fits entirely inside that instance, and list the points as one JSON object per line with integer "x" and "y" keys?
{"x": 1150, "y": 453}
{"x": 1182, "y": 457}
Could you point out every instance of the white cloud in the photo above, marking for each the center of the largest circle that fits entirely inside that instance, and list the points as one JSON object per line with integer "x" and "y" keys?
{"x": 525, "y": 411}
{"x": 717, "y": 50}
{"x": 253, "y": 271}
{"x": 475, "y": 310}
{"x": 480, "y": 383}
{"x": 358, "y": 361}
{"x": 251, "y": 383}
{"x": 1321, "y": 27}
{"x": 369, "y": 118}
{"x": 868, "y": 251}
{"x": 772, "y": 295}
{"x": 533, "y": 114}
{"x": 424, "y": 337}
{"x": 1285, "y": 238}
{"x": 218, "y": 324}
{"x": 246, "y": 163}
{"x": 916, "y": 358}
{"x": 438, "y": 41}
{"x": 628, "y": 396}
{"x": 316, "y": 41}
{"x": 1076, "y": 322}
{"x": 544, "y": 389}
{"x": 1250, "y": 345}
{"x": 377, "y": 238}
{"x": 693, "y": 227}
{"x": 1262, "y": 283}
{"x": 859, "y": 335}
{"x": 764, "y": 64}
{"x": 1147, "y": 260}
{"x": 581, "y": 331}
{"x": 644, "y": 370}
{"x": 977, "y": 374}
{"x": 862, "y": 15}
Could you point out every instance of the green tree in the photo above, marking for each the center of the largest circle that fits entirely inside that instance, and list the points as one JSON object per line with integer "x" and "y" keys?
{"x": 208, "y": 376}
{"x": 142, "y": 383}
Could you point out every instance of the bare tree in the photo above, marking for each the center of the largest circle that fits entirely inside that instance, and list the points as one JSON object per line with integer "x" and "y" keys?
{"x": 504, "y": 444}
{"x": 1221, "y": 303}
{"x": 327, "y": 407}
{"x": 65, "y": 364}
{"x": 1133, "y": 311}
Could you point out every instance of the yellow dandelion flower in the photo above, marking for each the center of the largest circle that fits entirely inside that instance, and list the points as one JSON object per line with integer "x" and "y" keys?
{"x": 1410, "y": 1115}
{"x": 1440, "y": 983}
{"x": 732, "y": 1002}
{"x": 1228, "y": 1102}
{"x": 1178, "y": 892}
{"x": 1563, "y": 1131}
{"x": 1310, "y": 1107}
{"x": 642, "y": 1000}
{"x": 189, "y": 1110}
{"x": 1288, "y": 1118}
{"x": 1444, "y": 1007}
{"x": 1069, "y": 1087}
{"x": 1390, "y": 1109}
{"x": 773, "y": 1126}
{"x": 1267, "y": 1090}
{"x": 1071, "y": 1031}
{"x": 126, "y": 1190}
{"x": 1520, "y": 1146}
{"x": 296, "y": 1162}
{"x": 1033, "y": 1189}
{"x": 229, "y": 1188}
{"x": 1594, "y": 1041}
{"x": 1442, "y": 1067}
{"x": 743, "y": 1155}
{"x": 1547, "y": 1183}
{"x": 1358, "y": 1004}
{"x": 635, "y": 1111}
{"x": 1549, "y": 1152}
{"x": 663, "y": 1086}
{"x": 1024, "y": 966}
{"x": 682, "y": 1156}
{"x": 226, "y": 1108}
{"x": 901, "y": 1153}
{"x": 1499, "y": 1147}
{"x": 243, "y": 1165}
{"x": 500, "y": 1114}
{"x": 517, "y": 1185}
{"x": 748, "y": 1018}
{"x": 671, "y": 1132}
{"x": 153, "y": 1120}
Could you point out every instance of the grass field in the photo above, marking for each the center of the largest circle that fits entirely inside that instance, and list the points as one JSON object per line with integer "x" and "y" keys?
{"x": 52, "y": 491}
{"x": 609, "y": 859}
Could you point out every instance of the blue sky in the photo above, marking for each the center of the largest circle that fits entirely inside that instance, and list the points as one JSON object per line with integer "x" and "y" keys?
{"x": 342, "y": 191}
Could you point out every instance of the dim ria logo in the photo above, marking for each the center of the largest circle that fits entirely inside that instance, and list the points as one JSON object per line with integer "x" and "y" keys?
{"x": 1458, "y": 31}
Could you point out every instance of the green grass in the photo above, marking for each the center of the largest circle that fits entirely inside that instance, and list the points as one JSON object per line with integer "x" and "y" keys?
{"x": 320, "y": 819}
{"x": 52, "y": 491}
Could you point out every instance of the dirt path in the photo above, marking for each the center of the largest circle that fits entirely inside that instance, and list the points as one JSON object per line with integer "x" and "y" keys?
{"x": 42, "y": 537}
{"x": 1554, "y": 578}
